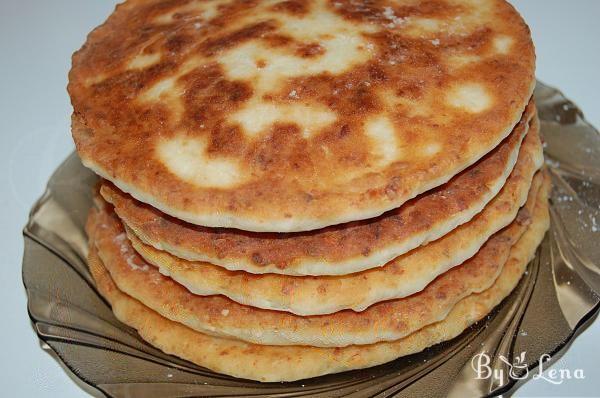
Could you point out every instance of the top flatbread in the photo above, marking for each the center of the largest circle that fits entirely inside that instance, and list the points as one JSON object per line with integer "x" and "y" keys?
{"x": 295, "y": 115}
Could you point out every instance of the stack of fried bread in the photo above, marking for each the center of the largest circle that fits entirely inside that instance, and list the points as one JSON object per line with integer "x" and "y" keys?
{"x": 292, "y": 188}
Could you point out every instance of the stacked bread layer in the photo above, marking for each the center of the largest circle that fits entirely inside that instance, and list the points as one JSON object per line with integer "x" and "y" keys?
{"x": 298, "y": 188}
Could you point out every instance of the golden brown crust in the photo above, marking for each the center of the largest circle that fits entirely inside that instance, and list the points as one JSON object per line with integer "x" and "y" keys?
{"x": 340, "y": 249}
{"x": 220, "y": 316}
{"x": 422, "y": 92}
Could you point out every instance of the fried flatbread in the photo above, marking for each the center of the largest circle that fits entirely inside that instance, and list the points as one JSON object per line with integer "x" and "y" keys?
{"x": 401, "y": 277}
{"x": 220, "y": 316}
{"x": 282, "y": 116}
{"x": 288, "y": 363}
{"x": 341, "y": 249}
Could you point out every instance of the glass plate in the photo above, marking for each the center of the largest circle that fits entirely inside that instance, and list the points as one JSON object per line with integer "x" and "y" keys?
{"x": 557, "y": 297}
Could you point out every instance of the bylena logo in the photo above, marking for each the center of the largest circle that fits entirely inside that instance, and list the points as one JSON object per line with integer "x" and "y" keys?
{"x": 517, "y": 369}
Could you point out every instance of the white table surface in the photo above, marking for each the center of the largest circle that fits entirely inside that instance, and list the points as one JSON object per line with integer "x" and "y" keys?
{"x": 37, "y": 38}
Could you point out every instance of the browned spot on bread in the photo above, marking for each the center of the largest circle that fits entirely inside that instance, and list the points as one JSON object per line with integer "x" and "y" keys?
{"x": 209, "y": 93}
{"x": 178, "y": 42}
{"x": 295, "y": 7}
{"x": 524, "y": 217}
{"x": 310, "y": 50}
{"x": 213, "y": 45}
